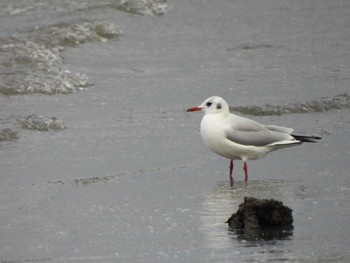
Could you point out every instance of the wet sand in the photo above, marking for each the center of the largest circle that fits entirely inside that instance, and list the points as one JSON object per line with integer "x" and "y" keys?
{"x": 128, "y": 178}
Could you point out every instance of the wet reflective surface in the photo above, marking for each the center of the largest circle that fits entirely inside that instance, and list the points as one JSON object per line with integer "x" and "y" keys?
{"x": 101, "y": 163}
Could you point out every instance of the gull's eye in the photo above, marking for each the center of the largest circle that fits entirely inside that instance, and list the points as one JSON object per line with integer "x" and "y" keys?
{"x": 209, "y": 104}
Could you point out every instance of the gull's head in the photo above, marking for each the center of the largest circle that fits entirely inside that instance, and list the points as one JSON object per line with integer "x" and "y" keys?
{"x": 212, "y": 105}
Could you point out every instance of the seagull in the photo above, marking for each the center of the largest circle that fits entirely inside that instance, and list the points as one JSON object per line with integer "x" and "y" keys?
{"x": 239, "y": 138}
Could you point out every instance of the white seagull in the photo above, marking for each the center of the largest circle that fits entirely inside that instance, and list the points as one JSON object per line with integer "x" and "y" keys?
{"x": 238, "y": 138}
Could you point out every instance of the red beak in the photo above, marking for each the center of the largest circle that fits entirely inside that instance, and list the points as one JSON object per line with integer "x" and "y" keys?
{"x": 194, "y": 109}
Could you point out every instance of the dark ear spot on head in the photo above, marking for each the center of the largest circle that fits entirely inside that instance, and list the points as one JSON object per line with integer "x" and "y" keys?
{"x": 219, "y": 106}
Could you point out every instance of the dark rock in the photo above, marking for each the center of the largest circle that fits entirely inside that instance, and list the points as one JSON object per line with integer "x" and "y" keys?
{"x": 259, "y": 218}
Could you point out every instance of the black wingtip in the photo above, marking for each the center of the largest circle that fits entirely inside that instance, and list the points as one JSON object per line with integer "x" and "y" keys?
{"x": 304, "y": 138}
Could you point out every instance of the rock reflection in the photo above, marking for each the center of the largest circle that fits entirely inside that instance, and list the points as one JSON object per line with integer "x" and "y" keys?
{"x": 253, "y": 245}
{"x": 273, "y": 233}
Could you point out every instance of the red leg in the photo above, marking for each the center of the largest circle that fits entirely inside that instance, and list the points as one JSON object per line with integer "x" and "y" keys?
{"x": 231, "y": 169}
{"x": 245, "y": 168}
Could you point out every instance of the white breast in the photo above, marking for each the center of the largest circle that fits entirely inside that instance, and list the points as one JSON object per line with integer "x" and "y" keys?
{"x": 213, "y": 132}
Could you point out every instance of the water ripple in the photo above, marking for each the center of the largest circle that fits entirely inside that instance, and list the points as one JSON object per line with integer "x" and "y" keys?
{"x": 341, "y": 101}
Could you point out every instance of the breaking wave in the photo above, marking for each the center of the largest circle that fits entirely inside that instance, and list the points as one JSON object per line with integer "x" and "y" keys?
{"x": 143, "y": 7}
{"x": 71, "y": 34}
{"x": 140, "y": 7}
{"x": 32, "y": 62}
{"x": 35, "y": 65}
{"x": 33, "y": 68}
{"x": 8, "y": 134}
{"x": 341, "y": 101}
{"x": 11, "y": 127}
{"x": 40, "y": 123}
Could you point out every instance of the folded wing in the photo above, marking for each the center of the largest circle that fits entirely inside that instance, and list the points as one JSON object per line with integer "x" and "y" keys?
{"x": 248, "y": 132}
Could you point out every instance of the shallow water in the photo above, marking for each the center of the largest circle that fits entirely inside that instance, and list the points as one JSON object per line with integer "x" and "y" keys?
{"x": 101, "y": 163}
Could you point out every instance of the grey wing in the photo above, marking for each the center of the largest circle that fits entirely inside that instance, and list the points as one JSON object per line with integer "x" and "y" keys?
{"x": 279, "y": 129}
{"x": 248, "y": 132}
